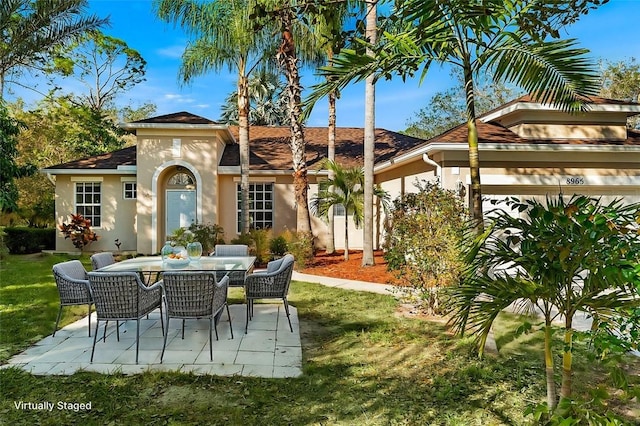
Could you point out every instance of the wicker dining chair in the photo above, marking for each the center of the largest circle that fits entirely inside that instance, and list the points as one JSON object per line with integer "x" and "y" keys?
{"x": 236, "y": 278}
{"x": 121, "y": 296}
{"x": 193, "y": 295}
{"x": 100, "y": 260}
{"x": 270, "y": 284}
{"x": 73, "y": 287}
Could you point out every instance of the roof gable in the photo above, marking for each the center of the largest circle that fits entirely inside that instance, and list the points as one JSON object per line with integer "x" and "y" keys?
{"x": 182, "y": 117}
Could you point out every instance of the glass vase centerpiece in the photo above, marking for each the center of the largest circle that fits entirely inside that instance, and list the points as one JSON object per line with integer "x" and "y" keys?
{"x": 194, "y": 250}
{"x": 184, "y": 241}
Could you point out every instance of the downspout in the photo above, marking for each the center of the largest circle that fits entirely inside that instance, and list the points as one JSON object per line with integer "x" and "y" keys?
{"x": 51, "y": 178}
{"x": 439, "y": 175}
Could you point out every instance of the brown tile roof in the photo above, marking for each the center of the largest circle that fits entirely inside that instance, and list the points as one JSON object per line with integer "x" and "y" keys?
{"x": 182, "y": 117}
{"x": 269, "y": 147}
{"x": 111, "y": 160}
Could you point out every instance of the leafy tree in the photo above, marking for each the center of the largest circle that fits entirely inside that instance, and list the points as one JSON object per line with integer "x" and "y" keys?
{"x": 84, "y": 131}
{"x": 560, "y": 258}
{"x": 10, "y": 170}
{"x": 105, "y": 65}
{"x": 506, "y": 38}
{"x": 346, "y": 188}
{"x": 224, "y": 36}
{"x": 57, "y": 131}
{"x": 31, "y": 29}
{"x": 422, "y": 243}
{"x": 446, "y": 109}
{"x": 129, "y": 113}
{"x": 621, "y": 80}
{"x": 268, "y": 105}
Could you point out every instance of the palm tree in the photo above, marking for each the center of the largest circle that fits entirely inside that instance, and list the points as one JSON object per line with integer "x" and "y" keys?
{"x": 371, "y": 34}
{"x": 297, "y": 43}
{"x": 225, "y": 36}
{"x": 267, "y": 103}
{"x": 492, "y": 35}
{"x": 559, "y": 258}
{"x": 345, "y": 188}
{"x": 32, "y": 29}
{"x": 328, "y": 27}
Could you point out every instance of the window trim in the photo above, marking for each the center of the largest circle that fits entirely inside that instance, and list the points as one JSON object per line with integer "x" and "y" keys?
{"x": 134, "y": 190}
{"x": 253, "y": 211}
{"x": 80, "y": 205}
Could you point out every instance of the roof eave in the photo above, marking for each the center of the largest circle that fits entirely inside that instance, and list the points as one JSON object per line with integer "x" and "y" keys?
{"x": 533, "y": 106}
{"x": 436, "y": 147}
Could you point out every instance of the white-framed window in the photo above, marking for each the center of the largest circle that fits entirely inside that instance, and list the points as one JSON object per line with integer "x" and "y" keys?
{"x": 260, "y": 205}
{"x": 338, "y": 210}
{"x": 88, "y": 201}
{"x": 129, "y": 190}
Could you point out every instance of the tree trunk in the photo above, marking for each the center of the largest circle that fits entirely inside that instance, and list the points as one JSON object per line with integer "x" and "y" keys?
{"x": 331, "y": 155}
{"x": 346, "y": 234}
{"x": 287, "y": 58}
{"x": 548, "y": 361}
{"x": 369, "y": 144}
{"x": 567, "y": 360}
{"x": 243, "y": 133}
{"x": 474, "y": 157}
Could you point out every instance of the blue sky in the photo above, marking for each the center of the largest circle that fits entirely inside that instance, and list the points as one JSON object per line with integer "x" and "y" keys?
{"x": 610, "y": 33}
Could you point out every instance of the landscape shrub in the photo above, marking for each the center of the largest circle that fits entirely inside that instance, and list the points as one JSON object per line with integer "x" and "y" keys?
{"x": 300, "y": 245}
{"x": 278, "y": 246}
{"x": 261, "y": 239}
{"x": 23, "y": 240}
{"x": 422, "y": 245}
{"x": 79, "y": 231}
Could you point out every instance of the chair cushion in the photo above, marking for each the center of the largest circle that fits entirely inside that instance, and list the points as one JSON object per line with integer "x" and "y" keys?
{"x": 274, "y": 265}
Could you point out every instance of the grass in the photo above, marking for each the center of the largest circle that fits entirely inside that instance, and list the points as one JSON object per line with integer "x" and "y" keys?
{"x": 362, "y": 364}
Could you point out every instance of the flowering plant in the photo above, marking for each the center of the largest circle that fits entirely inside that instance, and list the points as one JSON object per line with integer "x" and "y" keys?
{"x": 79, "y": 231}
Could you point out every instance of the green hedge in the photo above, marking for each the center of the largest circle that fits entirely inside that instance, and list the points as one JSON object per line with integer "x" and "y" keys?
{"x": 29, "y": 240}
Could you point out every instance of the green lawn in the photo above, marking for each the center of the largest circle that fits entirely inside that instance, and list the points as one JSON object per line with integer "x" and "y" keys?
{"x": 362, "y": 365}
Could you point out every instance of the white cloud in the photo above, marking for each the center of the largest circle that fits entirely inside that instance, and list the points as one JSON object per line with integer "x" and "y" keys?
{"x": 174, "y": 52}
{"x": 178, "y": 98}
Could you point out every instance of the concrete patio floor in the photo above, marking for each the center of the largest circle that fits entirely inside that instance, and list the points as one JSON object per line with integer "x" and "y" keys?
{"x": 269, "y": 349}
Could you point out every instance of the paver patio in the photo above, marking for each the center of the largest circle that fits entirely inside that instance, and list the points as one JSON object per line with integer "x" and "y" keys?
{"x": 269, "y": 349}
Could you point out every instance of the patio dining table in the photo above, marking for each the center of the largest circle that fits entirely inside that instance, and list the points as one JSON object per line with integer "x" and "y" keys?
{"x": 153, "y": 266}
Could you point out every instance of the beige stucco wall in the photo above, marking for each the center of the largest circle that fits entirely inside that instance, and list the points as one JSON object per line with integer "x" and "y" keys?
{"x": 159, "y": 151}
{"x": 117, "y": 214}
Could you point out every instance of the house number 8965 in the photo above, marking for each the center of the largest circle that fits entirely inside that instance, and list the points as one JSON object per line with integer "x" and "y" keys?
{"x": 575, "y": 181}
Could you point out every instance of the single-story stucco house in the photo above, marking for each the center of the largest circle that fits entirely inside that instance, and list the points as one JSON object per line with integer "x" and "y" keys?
{"x": 185, "y": 168}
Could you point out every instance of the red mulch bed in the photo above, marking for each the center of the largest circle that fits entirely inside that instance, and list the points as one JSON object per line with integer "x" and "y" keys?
{"x": 334, "y": 265}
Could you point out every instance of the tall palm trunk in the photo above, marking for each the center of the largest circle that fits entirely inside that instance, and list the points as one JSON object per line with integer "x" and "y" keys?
{"x": 243, "y": 130}
{"x": 472, "y": 140}
{"x": 369, "y": 143}
{"x": 331, "y": 154}
{"x": 288, "y": 60}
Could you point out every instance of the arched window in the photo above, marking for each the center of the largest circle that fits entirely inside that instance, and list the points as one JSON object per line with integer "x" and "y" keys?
{"x": 181, "y": 179}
